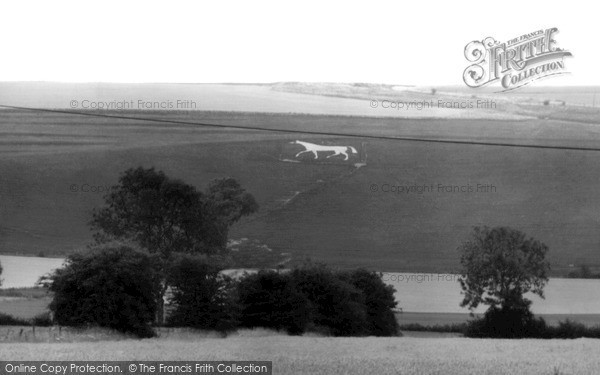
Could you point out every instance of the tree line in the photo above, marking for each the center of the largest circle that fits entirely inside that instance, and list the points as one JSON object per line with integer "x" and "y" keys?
{"x": 157, "y": 234}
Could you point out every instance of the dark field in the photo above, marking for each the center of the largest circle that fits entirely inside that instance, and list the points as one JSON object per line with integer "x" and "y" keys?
{"x": 24, "y": 308}
{"x": 332, "y": 215}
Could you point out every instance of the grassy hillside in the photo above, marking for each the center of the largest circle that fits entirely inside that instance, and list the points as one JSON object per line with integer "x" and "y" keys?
{"x": 323, "y": 210}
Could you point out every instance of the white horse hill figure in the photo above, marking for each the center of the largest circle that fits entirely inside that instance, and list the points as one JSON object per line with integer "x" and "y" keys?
{"x": 315, "y": 149}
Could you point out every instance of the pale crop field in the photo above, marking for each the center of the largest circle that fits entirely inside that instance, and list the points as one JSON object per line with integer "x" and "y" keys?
{"x": 324, "y": 355}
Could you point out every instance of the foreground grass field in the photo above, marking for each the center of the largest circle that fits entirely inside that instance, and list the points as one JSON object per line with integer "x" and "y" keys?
{"x": 321, "y": 355}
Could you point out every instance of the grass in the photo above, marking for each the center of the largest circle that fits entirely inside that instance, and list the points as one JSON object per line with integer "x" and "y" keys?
{"x": 25, "y": 332}
{"x": 24, "y": 308}
{"x": 323, "y": 355}
{"x": 335, "y": 218}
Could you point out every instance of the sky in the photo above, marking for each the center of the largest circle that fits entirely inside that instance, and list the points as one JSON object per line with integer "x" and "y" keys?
{"x": 394, "y": 42}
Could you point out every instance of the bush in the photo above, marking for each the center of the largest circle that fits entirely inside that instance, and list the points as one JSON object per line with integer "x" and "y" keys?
{"x": 271, "y": 300}
{"x": 115, "y": 287}
{"x": 9, "y": 320}
{"x": 42, "y": 320}
{"x": 315, "y": 298}
{"x": 572, "y": 330}
{"x": 507, "y": 323}
{"x": 337, "y": 307}
{"x": 447, "y": 328}
{"x": 584, "y": 272}
{"x": 565, "y": 330}
{"x": 379, "y": 301}
{"x": 202, "y": 297}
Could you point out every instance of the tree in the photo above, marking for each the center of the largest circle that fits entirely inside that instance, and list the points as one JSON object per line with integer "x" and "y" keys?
{"x": 166, "y": 216}
{"x": 379, "y": 300}
{"x": 336, "y": 305}
{"x": 500, "y": 265}
{"x": 111, "y": 286}
{"x": 227, "y": 202}
{"x": 160, "y": 214}
{"x": 202, "y": 297}
{"x": 270, "y": 299}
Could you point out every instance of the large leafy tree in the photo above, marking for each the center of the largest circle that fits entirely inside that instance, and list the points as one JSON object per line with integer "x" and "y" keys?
{"x": 500, "y": 265}
{"x": 112, "y": 286}
{"x": 226, "y": 202}
{"x": 336, "y": 305}
{"x": 270, "y": 299}
{"x": 165, "y": 215}
{"x": 202, "y": 297}
{"x": 379, "y": 300}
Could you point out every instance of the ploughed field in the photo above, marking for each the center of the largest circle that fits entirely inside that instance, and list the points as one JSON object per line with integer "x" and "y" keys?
{"x": 393, "y": 206}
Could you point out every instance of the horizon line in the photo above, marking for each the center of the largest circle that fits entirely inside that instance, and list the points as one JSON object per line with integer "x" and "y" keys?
{"x": 278, "y": 82}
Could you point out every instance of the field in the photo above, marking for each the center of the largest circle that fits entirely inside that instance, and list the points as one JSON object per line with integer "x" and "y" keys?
{"x": 54, "y": 168}
{"x": 25, "y": 271}
{"x": 24, "y": 308}
{"x": 322, "y": 355}
{"x": 29, "y": 307}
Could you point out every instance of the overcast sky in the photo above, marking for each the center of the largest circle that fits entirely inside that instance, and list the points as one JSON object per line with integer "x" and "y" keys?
{"x": 397, "y": 42}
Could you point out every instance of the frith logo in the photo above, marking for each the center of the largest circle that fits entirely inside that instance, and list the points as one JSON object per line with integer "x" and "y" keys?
{"x": 515, "y": 63}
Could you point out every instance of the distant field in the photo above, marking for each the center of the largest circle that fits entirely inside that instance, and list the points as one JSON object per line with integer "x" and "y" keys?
{"x": 24, "y": 308}
{"x": 320, "y": 355}
{"x": 431, "y": 319}
{"x": 26, "y": 271}
{"x": 264, "y": 98}
{"x": 335, "y": 217}
{"x": 28, "y": 308}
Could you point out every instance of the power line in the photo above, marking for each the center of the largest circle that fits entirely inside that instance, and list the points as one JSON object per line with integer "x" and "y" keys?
{"x": 306, "y": 132}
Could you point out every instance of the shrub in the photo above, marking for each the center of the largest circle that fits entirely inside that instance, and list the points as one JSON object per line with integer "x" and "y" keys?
{"x": 584, "y": 272}
{"x": 448, "y": 328}
{"x": 269, "y": 299}
{"x": 569, "y": 329}
{"x": 115, "y": 287}
{"x": 507, "y": 323}
{"x": 379, "y": 301}
{"x": 337, "y": 307}
{"x": 42, "y": 320}
{"x": 9, "y": 320}
{"x": 202, "y": 297}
